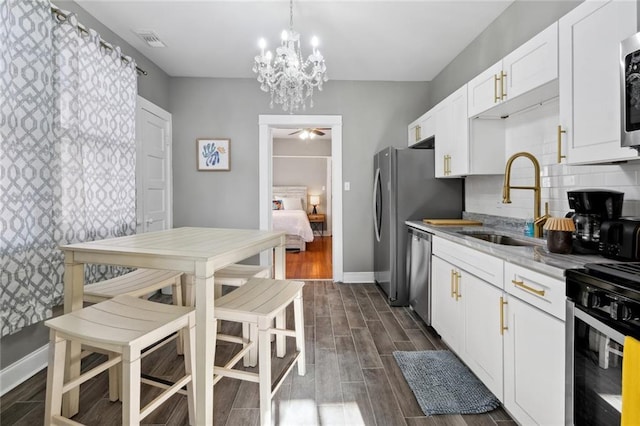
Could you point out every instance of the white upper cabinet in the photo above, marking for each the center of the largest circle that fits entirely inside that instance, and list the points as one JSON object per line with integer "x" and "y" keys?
{"x": 452, "y": 135}
{"x": 590, "y": 37}
{"x": 485, "y": 90}
{"x": 422, "y": 128}
{"x": 523, "y": 78}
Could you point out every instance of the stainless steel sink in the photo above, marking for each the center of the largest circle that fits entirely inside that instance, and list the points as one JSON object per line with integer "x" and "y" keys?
{"x": 504, "y": 240}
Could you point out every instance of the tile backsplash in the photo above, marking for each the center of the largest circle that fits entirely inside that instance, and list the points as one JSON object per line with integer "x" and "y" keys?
{"x": 534, "y": 131}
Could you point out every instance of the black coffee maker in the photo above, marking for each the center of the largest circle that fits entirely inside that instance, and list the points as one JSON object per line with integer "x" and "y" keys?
{"x": 592, "y": 207}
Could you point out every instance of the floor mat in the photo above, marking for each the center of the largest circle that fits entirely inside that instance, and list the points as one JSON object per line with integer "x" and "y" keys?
{"x": 442, "y": 384}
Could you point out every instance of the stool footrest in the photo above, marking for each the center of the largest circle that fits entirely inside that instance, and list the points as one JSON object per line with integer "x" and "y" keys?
{"x": 168, "y": 393}
{"x": 90, "y": 374}
{"x": 59, "y": 420}
{"x": 221, "y": 372}
{"x": 278, "y": 380}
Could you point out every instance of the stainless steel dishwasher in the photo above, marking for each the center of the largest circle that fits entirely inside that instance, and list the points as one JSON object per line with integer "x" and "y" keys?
{"x": 419, "y": 273}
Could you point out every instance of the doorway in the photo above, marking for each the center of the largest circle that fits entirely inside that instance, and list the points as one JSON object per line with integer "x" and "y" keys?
{"x": 267, "y": 126}
{"x": 301, "y": 165}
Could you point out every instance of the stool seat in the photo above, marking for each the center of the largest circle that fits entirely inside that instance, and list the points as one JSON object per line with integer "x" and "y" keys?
{"x": 137, "y": 283}
{"x": 123, "y": 327}
{"x": 123, "y": 320}
{"x": 237, "y": 274}
{"x": 258, "y": 298}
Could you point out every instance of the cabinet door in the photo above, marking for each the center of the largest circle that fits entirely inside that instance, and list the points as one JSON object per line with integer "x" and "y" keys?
{"x": 459, "y": 132}
{"x": 442, "y": 149}
{"x": 445, "y": 310}
{"x": 534, "y": 357}
{"x": 484, "y": 90}
{"x": 482, "y": 346}
{"x": 532, "y": 64}
{"x": 589, "y": 77}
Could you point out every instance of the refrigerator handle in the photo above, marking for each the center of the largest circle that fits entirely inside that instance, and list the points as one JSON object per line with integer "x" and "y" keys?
{"x": 377, "y": 186}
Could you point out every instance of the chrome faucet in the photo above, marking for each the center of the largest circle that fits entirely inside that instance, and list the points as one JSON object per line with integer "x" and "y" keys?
{"x": 538, "y": 220}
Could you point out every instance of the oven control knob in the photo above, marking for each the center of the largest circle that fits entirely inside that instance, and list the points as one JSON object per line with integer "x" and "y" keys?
{"x": 620, "y": 311}
{"x": 595, "y": 299}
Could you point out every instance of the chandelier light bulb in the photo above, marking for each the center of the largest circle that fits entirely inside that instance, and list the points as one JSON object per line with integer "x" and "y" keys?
{"x": 286, "y": 75}
{"x": 312, "y": 135}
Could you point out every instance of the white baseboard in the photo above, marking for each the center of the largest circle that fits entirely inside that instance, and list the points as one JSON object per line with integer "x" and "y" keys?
{"x": 358, "y": 277}
{"x": 16, "y": 373}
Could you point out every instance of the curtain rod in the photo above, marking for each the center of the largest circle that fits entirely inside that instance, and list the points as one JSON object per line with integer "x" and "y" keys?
{"x": 80, "y": 27}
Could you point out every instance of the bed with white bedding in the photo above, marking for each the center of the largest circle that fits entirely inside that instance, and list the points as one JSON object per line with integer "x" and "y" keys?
{"x": 292, "y": 217}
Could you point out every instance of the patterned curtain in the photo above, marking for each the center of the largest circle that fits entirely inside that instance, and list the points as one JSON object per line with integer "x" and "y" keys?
{"x": 67, "y": 154}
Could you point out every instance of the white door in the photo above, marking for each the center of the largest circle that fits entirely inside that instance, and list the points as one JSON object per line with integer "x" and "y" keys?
{"x": 153, "y": 167}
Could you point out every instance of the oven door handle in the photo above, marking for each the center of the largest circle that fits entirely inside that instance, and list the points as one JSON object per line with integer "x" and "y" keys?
{"x": 611, "y": 333}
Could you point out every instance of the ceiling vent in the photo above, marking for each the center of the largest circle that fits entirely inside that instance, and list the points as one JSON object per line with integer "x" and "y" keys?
{"x": 150, "y": 38}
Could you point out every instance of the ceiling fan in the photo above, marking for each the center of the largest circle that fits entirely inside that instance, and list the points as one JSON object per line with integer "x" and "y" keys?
{"x": 310, "y": 133}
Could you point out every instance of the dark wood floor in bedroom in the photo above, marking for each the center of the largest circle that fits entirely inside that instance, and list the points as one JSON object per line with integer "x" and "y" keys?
{"x": 312, "y": 264}
{"x": 352, "y": 377}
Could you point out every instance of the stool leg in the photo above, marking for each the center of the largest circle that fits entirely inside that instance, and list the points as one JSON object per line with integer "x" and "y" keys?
{"x": 55, "y": 377}
{"x": 115, "y": 390}
{"x": 130, "y": 386}
{"x": 281, "y": 323}
{"x": 264, "y": 354}
{"x": 298, "y": 315}
{"x": 189, "y": 364}
{"x": 176, "y": 296}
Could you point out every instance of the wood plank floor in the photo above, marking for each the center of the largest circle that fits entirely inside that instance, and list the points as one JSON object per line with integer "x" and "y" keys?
{"x": 352, "y": 378}
{"x": 313, "y": 264}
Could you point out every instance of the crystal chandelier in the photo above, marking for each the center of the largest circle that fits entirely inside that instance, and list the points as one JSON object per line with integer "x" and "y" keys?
{"x": 289, "y": 79}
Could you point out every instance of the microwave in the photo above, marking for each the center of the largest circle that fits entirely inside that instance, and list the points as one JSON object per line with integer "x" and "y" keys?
{"x": 630, "y": 92}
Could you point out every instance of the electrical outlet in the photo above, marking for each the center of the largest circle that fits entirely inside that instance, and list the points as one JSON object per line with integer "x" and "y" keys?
{"x": 347, "y": 186}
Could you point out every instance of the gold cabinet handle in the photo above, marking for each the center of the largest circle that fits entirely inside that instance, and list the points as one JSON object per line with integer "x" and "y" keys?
{"x": 503, "y": 93}
{"x": 496, "y": 79}
{"x": 453, "y": 276}
{"x": 560, "y": 132}
{"x": 418, "y": 132}
{"x": 458, "y": 276}
{"x": 502, "y": 326}
{"x": 522, "y": 285}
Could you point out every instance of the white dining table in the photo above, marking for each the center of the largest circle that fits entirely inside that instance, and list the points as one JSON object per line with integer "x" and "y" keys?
{"x": 197, "y": 252}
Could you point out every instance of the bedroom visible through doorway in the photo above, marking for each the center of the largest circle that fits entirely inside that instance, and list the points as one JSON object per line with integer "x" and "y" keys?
{"x": 301, "y": 175}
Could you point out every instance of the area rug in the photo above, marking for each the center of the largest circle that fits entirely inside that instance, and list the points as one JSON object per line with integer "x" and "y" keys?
{"x": 442, "y": 384}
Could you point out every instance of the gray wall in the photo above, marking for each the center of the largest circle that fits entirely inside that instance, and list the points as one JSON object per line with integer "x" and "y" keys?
{"x": 517, "y": 24}
{"x": 294, "y": 169}
{"x": 374, "y": 115}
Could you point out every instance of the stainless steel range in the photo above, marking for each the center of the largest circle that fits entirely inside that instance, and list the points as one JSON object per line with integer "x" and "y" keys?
{"x": 603, "y": 307}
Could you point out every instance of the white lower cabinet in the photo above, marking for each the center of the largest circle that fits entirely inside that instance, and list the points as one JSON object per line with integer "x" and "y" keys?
{"x": 506, "y": 323}
{"x": 465, "y": 309}
{"x": 534, "y": 380}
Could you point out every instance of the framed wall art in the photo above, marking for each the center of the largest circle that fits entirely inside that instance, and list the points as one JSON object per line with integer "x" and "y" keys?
{"x": 213, "y": 154}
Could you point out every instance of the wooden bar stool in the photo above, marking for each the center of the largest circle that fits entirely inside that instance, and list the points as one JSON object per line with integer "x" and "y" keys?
{"x": 122, "y": 326}
{"x": 257, "y": 303}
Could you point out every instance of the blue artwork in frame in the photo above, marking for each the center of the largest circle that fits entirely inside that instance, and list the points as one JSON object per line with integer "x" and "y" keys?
{"x": 213, "y": 154}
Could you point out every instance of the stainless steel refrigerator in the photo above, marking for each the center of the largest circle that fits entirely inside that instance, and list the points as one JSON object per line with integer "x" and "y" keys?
{"x": 405, "y": 188}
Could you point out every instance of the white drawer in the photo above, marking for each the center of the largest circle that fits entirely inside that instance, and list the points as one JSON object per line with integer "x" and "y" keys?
{"x": 537, "y": 289}
{"x": 482, "y": 265}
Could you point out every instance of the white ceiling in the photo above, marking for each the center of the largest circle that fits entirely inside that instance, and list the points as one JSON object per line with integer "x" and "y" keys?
{"x": 360, "y": 39}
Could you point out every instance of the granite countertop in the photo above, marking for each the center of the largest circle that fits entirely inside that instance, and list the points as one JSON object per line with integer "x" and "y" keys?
{"x": 537, "y": 258}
